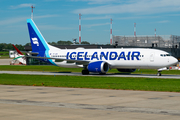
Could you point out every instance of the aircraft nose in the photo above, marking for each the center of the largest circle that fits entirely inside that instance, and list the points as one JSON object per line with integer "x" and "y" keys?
{"x": 174, "y": 60}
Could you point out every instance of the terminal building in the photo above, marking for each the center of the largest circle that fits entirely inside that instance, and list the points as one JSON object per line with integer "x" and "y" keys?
{"x": 161, "y": 41}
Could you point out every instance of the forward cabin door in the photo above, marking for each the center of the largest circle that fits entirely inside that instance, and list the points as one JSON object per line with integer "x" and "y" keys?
{"x": 152, "y": 57}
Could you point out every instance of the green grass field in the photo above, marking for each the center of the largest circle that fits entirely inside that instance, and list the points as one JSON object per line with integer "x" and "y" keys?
{"x": 4, "y": 54}
{"x": 118, "y": 83}
{"x": 147, "y": 84}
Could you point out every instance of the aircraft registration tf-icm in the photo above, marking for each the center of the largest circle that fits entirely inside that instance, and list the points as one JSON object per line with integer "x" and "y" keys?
{"x": 98, "y": 60}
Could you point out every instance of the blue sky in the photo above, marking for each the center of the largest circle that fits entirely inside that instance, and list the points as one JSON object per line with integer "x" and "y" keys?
{"x": 59, "y": 20}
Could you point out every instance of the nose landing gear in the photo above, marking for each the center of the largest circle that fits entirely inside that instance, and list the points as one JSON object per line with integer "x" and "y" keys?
{"x": 85, "y": 72}
{"x": 159, "y": 73}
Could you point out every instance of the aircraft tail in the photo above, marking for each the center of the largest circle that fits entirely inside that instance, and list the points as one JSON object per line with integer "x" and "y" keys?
{"x": 38, "y": 43}
{"x": 19, "y": 52}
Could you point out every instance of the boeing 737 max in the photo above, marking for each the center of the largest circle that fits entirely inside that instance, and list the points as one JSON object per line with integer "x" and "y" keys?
{"x": 98, "y": 60}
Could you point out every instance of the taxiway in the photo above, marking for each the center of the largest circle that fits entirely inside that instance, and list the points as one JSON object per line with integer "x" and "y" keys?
{"x": 30, "y": 102}
{"x": 79, "y": 74}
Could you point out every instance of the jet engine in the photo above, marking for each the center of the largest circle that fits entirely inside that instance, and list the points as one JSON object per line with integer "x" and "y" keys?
{"x": 99, "y": 66}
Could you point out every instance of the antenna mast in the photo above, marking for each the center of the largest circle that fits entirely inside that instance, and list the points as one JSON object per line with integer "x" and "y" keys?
{"x": 134, "y": 29}
{"x": 80, "y": 28}
{"x": 111, "y": 32}
{"x": 32, "y": 12}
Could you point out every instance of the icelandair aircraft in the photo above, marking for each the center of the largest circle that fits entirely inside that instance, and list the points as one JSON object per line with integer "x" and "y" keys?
{"x": 98, "y": 60}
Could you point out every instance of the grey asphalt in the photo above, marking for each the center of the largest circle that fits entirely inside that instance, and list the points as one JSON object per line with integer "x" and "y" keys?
{"x": 79, "y": 74}
{"x": 44, "y": 103}
{"x": 5, "y": 61}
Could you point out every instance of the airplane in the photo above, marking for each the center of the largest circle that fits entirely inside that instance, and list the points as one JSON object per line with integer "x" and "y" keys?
{"x": 98, "y": 60}
{"x": 18, "y": 56}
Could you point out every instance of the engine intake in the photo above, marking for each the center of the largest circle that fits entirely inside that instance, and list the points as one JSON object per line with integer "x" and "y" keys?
{"x": 99, "y": 66}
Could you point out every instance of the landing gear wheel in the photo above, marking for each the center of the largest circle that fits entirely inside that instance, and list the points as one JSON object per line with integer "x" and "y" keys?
{"x": 158, "y": 74}
{"x": 85, "y": 72}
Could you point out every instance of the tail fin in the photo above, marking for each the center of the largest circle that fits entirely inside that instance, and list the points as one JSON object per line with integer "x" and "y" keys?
{"x": 19, "y": 52}
{"x": 38, "y": 43}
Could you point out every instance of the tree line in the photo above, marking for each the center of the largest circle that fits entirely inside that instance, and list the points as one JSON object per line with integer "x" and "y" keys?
{"x": 67, "y": 43}
{"x": 5, "y": 46}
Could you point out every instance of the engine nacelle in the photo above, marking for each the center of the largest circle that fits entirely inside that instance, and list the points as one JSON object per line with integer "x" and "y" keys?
{"x": 99, "y": 66}
{"x": 126, "y": 70}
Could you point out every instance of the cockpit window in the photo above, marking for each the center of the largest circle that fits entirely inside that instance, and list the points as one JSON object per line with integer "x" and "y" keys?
{"x": 164, "y": 55}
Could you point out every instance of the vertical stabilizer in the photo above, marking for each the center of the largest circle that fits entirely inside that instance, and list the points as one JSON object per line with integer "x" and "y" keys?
{"x": 38, "y": 42}
{"x": 19, "y": 52}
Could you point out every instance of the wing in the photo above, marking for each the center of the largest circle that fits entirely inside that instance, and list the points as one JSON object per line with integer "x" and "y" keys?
{"x": 84, "y": 62}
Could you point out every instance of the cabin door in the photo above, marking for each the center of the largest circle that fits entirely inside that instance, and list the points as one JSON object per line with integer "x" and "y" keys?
{"x": 152, "y": 57}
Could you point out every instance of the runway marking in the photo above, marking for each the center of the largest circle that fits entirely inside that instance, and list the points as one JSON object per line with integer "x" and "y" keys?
{"x": 92, "y": 107}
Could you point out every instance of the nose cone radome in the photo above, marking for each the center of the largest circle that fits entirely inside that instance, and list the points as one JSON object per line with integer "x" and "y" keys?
{"x": 173, "y": 61}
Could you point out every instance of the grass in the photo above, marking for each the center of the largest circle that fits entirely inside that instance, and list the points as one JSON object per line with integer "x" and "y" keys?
{"x": 61, "y": 69}
{"x": 47, "y": 68}
{"x": 4, "y": 54}
{"x": 147, "y": 84}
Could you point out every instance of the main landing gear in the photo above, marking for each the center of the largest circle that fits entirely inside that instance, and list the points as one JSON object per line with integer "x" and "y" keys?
{"x": 159, "y": 73}
{"x": 85, "y": 72}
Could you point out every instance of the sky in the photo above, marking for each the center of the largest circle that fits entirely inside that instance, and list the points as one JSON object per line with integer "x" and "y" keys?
{"x": 59, "y": 19}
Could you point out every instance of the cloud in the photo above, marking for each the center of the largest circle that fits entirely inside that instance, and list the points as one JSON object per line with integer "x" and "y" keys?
{"x": 20, "y": 19}
{"x": 137, "y": 17}
{"x": 51, "y": 0}
{"x": 46, "y": 16}
{"x": 53, "y": 27}
{"x": 163, "y": 21}
{"x": 174, "y": 15}
{"x": 21, "y": 6}
{"x": 97, "y": 1}
{"x": 97, "y": 18}
{"x": 136, "y": 6}
{"x": 12, "y": 20}
{"x": 93, "y": 25}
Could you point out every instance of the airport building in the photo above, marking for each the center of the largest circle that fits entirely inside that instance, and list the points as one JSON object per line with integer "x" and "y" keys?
{"x": 161, "y": 41}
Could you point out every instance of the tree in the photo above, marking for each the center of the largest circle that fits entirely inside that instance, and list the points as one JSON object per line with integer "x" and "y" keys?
{"x": 64, "y": 42}
{"x": 20, "y": 47}
{"x": 52, "y": 43}
{"x": 85, "y": 43}
{"x": 27, "y": 44}
{"x": 4, "y": 46}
